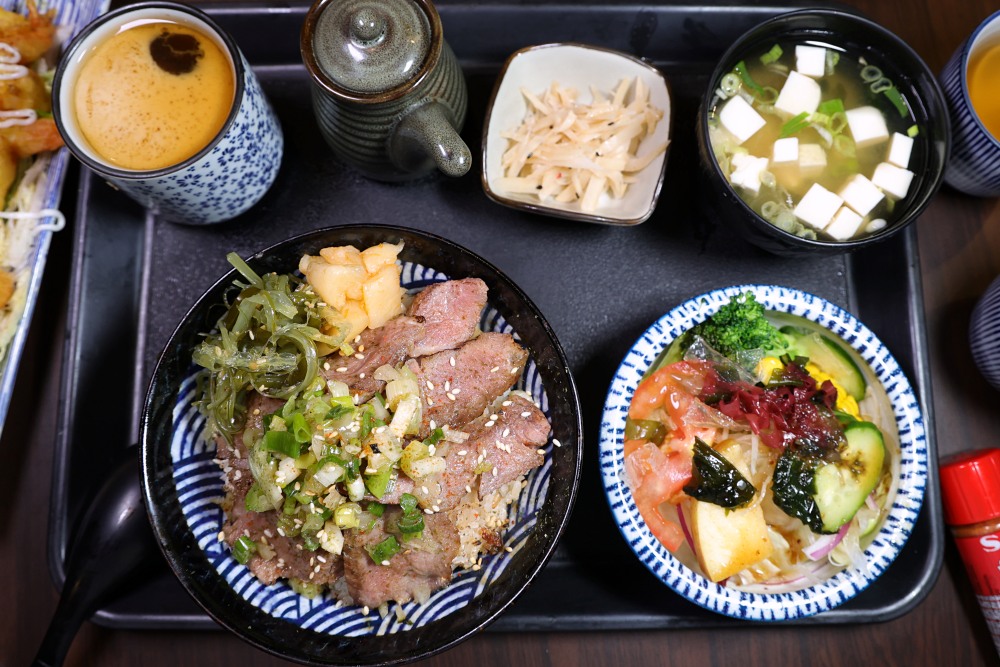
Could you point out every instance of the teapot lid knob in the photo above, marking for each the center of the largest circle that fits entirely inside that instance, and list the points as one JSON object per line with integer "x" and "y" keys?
{"x": 367, "y": 27}
{"x": 371, "y": 46}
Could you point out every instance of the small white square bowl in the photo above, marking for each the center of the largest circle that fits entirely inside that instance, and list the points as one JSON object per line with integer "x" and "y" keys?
{"x": 575, "y": 66}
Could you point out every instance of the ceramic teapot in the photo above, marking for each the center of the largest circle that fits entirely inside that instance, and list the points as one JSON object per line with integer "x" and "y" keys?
{"x": 387, "y": 91}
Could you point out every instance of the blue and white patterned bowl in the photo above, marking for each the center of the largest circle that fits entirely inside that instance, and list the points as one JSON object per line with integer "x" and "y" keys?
{"x": 182, "y": 485}
{"x": 782, "y": 604}
{"x": 984, "y": 334}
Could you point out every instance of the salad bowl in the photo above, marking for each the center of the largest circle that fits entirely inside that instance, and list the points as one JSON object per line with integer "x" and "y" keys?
{"x": 787, "y": 598}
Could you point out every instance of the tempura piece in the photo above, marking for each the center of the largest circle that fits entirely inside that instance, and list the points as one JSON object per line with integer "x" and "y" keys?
{"x": 30, "y": 35}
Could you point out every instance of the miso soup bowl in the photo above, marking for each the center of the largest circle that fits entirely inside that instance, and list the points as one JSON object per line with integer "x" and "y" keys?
{"x": 859, "y": 37}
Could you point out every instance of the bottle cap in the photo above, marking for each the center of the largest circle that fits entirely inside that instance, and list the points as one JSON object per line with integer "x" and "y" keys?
{"x": 970, "y": 486}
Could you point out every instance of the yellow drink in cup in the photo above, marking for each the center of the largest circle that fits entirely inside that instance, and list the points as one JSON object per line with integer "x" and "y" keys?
{"x": 984, "y": 87}
{"x": 153, "y": 95}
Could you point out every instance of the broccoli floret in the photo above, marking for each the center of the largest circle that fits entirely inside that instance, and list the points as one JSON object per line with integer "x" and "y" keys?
{"x": 737, "y": 326}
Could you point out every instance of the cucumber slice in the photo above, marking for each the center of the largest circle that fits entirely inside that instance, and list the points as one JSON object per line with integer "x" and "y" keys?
{"x": 842, "y": 487}
{"x": 830, "y": 356}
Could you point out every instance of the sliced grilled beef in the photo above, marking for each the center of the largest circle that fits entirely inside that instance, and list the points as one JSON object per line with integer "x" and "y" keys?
{"x": 422, "y": 566}
{"x": 290, "y": 558}
{"x": 450, "y": 313}
{"x": 457, "y": 385}
{"x": 510, "y": 443}
{"x": 389, "y": 344}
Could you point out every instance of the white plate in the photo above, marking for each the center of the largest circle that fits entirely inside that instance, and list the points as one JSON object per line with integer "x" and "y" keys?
{"x": 575, "y": 66}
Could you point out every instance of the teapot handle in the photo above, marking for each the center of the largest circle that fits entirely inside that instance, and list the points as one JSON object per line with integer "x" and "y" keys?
{"x": 428, "y": 131}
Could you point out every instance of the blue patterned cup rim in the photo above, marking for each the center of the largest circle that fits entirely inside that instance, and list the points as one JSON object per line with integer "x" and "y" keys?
{"x": 199, "y": 486}
{"x": 783, "y": 605}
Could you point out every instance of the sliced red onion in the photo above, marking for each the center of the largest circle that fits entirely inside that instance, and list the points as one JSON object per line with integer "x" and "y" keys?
{"x": 819, "y": 549}
{"x": 684, "y": 527}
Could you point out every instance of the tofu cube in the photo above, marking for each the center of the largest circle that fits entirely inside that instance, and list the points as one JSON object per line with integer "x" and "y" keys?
{"x": 799, "y": 94}
{"x": 892, "y": 179}
{"x": 899, "y": 150}
{"x": 861, "y": 194}
{"x": 748, "y": 171}
{"x": 810, "y": 60}
{"x": 818, "y": 207}
{"x": 729, "y": 540}
{"x": 786, "y": 151}
{"x": 740, "y": 118}
{"x": 812, "y": 158}
{"x": 845, "y": 224}
{"x": 867, "y": 125}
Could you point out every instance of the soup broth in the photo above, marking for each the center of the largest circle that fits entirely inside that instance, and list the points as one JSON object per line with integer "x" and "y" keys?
{"x": 818, "y": 142}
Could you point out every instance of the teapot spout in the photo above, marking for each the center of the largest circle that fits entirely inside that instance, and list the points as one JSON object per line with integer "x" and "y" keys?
{"x": 428, "y": 133}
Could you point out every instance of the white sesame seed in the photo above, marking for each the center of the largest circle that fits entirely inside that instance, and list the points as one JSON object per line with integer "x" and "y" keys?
{"x": 222, "y": 535}
{"x": 447, "y": 385}
{"x": 507, "y": 404}
{"x": 385, "y": 562}
{"x": 435, "y": 508}
{"x": 268, "y": 533}
{"x": 361, "y": 376}
{"x": 430, "y": 385}
{"x": 238, "y": 474}
{"x": 361, "y": 348}
{"x": 317, "y": 569}
{"x": 476, "y": 567}
{"x": 256, "y": 411}
{"x": 451, "y": 396}
{"x": 508, "y": 549}
{"x": 431, "y": 449}
{"x": 251, "y": 335}
{"x": 281, "y": 532}
{"x": 365, "y": 610}
{"x": 490, "y": 423}
{"x": 312, "y": 575}
{"x": 494, "y": 472}
{"x": 468, "y": 489}
{"x": 540, "y": 451}
{"x": 326, "y": 365}
{"x": 494, "y": 417}
{"x": 342, "y": 369}
{"x": 359, "y": 356}
{"x": 430, "y": 402}
{"x": 556, "y": 442}
{"x": 246, "y": 533}
{"x": 452, "y": 361}
{"x": 494, "y": 369}
{"x": 424, "y": 489}
{"x": 506, "y": 432}
{"x": 499, "y": 445}
{"x": 237, "y": 453}
{"x": 380, "y": 429}
{"x": 433, "y": 425}
{"x": 428, "y": 511}
{"x": 514, "y": 370}
{"x": 525, "y": 414}
{"x": 463, "y": 453}
{"x": 456, "y": 391}
{"x": 357, "y": 338}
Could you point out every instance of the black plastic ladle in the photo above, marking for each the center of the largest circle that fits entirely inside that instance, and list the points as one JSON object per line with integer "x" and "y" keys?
{"x": 114, "y": 544}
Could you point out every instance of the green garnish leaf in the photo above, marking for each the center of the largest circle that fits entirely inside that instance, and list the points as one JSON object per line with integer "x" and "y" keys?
{"x": 284, "y": 442}
{"x": 772, "y": 55}
{"x": 912, "y": 131}
{"x": 435, "y": 437}
{"x": 830, "y": 107}
{"x": 243, "y": 549}
{"x": 382, "y": 552}
{"x": 795, "y": 124}
{"x": 715, "y": 480}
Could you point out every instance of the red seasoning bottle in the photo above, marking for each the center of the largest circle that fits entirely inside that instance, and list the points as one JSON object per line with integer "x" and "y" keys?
{"x": 970, "y": 489}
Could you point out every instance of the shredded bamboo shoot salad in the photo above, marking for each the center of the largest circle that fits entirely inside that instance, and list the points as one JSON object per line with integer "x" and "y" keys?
{"x": 569, "y": 151}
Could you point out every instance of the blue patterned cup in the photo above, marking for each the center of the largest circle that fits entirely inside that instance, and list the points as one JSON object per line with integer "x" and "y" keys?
{"x": 984, "y": 334}
{"x": 202, "y": 163}
{"x": 974, "y": 164}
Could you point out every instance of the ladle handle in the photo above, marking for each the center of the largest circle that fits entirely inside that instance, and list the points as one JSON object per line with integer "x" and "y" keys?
{"x": 114, "y": 542}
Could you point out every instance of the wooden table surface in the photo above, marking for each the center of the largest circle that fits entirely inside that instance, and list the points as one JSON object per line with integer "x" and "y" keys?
{"x": 959, "y": 243}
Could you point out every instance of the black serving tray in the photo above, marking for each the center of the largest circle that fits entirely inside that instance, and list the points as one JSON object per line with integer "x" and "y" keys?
{"x": 134, "y": 278}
